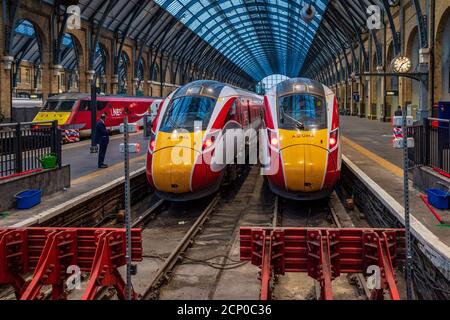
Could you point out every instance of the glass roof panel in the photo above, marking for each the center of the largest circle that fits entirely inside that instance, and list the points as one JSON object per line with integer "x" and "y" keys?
{"x": 261, "y": 37}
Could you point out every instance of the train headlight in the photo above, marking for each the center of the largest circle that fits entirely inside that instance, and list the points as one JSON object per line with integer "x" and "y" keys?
{"x": 209, "y": 142}
{"x": 334, "y": 136}
{"x": 152, "y": 145}
{"x": 274, "y": 141}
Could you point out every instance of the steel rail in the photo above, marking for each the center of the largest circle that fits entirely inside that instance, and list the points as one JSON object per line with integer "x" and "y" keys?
{"x": 276, "y": 216}
{"x": 147, "y": 213}
{"x": 170, "y": 263}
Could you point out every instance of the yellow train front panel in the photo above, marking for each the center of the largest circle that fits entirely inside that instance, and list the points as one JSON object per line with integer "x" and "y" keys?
{"x": 61, "y": 117}
{"x": 173, "y": 161}
{"x": 304, "y": 159}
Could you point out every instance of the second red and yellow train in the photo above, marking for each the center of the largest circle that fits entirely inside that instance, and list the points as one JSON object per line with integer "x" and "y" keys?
{"x": 296, "y": 123}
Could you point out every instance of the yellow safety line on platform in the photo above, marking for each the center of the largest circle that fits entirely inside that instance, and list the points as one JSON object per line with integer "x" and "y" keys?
{"x": 101, "y": 172}
{"x": 382, "y": 162}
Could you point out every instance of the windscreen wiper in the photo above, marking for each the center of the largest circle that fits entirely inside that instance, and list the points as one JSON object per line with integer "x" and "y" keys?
{"x": 298, "y": 123}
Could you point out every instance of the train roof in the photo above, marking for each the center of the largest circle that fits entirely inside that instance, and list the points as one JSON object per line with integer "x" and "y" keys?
{"x": 298, "y": 86}
{"x": 209, "y": 88}
{"x": 87, "y": 96}
{"x": 69, "y": 96}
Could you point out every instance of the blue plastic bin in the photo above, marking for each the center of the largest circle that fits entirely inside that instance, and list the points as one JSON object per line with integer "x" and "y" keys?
{"x": 28, "y": 199}
{"x": 438, "y": 198}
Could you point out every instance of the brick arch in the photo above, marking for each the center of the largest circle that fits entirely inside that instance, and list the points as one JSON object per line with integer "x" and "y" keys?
{"x": 41, "y": 38}
{"x": 80, "y": 49}
{"x": 411, "y": 43}
{"x": 168, "y": 72}
{"x": 392, "y": 83}
{"x": 145, "y": 66}
{"x": 154, "y": 72}
{"x": 442, "y": 58}
{"x": 412, "y": 51}
{"x": 128, "y": 64}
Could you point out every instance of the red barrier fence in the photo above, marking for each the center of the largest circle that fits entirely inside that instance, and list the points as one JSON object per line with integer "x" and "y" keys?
{"x": 325, "y": 254}
{"x": 49, "y": 252}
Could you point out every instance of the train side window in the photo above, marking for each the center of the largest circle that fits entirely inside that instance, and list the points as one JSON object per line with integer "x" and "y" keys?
{"x": 232, "y": 112}
{"x": 85, "y": 105}
{"x": 101, "y": 105}
{"x": 233, "y": 108}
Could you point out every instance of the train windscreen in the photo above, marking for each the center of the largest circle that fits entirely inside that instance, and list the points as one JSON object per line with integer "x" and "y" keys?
{"x": 183, "y": 112}
{"x": 58, "y": 106}
{"x": 302, "y": 112}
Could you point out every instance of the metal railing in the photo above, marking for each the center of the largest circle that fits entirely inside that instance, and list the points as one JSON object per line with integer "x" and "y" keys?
{"x": 432, "y": 144}
{"x": 23, "y": 144}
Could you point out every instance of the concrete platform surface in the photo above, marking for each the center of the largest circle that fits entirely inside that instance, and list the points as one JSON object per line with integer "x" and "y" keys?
{"x": 368, "y": 144}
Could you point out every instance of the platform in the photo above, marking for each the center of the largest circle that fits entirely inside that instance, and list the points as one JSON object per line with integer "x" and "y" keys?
{"x": 86, "y": 178}
{"x": 367, "y": 147}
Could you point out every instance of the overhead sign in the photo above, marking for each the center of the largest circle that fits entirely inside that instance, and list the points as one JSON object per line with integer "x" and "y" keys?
{"x": 393, "y": 93}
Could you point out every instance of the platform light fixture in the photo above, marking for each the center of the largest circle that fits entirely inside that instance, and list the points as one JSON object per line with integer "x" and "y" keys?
{"x": 90, "y": 74}
{"x": 7, "y": 62}
{"x": 57, "y": 69}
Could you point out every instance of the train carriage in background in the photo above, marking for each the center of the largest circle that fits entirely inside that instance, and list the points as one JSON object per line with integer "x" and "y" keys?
{"x": 25, "y": 108}
{"x": 302, "y": 149}
{"x": 194, "y": 121}
{"x": 73, "y": 112}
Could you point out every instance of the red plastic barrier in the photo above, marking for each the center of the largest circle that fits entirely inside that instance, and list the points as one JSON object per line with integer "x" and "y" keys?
{"x": 324, "y": 254}
{"x": 49, "y": 252}
{"x": 445, "y": 174}
{"x": 20, "y": 174}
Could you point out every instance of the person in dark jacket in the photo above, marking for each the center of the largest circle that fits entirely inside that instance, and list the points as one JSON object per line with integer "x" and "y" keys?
{"x": 102, "y": 139}
{"x": 399, "y": 112}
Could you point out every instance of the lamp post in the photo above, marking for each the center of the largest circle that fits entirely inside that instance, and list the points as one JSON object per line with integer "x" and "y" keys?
{"x": 91, "y": 77}
{"x": 409, "y": 261}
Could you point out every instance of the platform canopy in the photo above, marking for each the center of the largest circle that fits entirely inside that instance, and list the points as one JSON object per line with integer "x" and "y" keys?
{"x": 150, "y": 25}
{"x": 261, "y": 37}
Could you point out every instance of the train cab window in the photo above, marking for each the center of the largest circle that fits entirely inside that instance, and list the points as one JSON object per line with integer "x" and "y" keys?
{"x": 58, "y": 105}
{"x": 183, "y": 112}
{"x": 50, "y": 106}
{"x": 302, "y": 111}
{"x": 232, "y": 112}
{"x": 65, "y": 106}
{"x": 85, "y": 105}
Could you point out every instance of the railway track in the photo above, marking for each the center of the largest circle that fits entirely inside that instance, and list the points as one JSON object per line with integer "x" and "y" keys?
{"x": 206, "y": 259}
{"x": 208, "y": 251}
{"x": 317, "y": 214}
{"x": 191, "y": 250}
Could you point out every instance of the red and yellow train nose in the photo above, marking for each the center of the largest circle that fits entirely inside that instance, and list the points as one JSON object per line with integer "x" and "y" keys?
{"x": 174, "y": 163}
{"x": 304, "y": 159}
